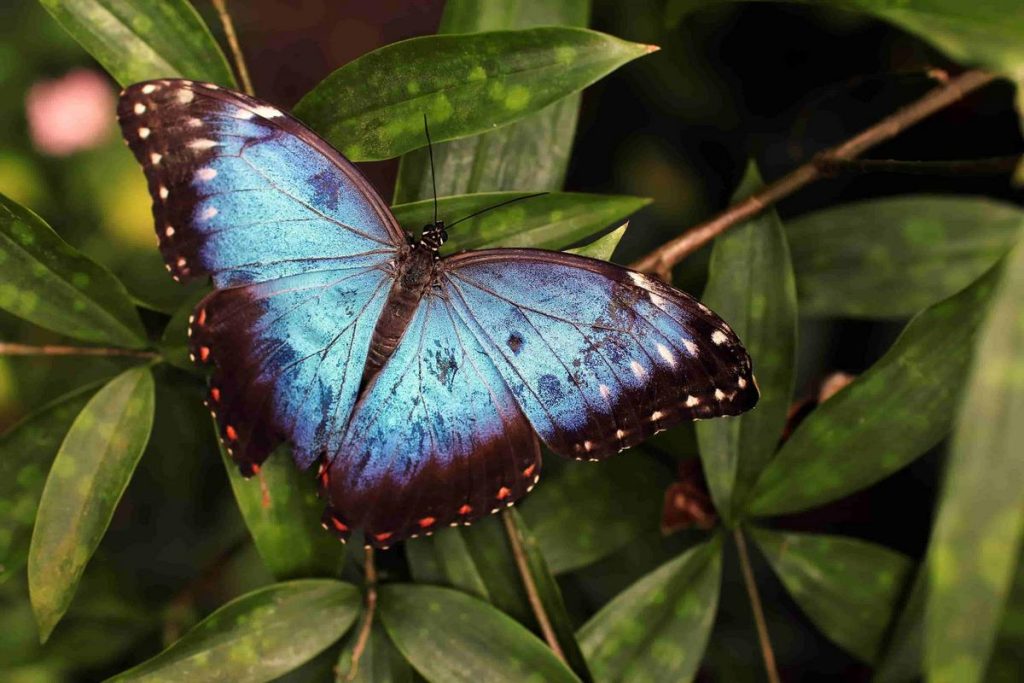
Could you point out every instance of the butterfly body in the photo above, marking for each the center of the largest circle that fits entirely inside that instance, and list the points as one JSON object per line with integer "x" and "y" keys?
{"x": 419, "y": 382}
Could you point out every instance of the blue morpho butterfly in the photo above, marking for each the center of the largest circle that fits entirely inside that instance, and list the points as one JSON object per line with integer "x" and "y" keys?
{"x": 418, "y": 383}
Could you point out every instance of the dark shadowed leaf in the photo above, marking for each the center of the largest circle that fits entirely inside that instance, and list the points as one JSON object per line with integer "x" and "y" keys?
{"x": 603, "y": 248}
{"x": 582, "y": 512}
{"x": 977, "y": 536}
{"x": 449, "y": 636}
{"x": 26, "y": 452}
{"x": 657, "y": 629}
{"x": 282, "y": 511}
{"x": 373, "y": 108}
{"x": 849, "y": 588}
{"x": 892, "y": 257}
{"x": 1007, "y": 659}
{"x": 553, "y": 221}
{"x": 49, "y": 283}
{"x": 144, "y": 39}
{"x": 174, "y": 342}
{"x": 91, "y": 471}
{"x": 893, "y": 413}
{"x": 258, "y": 636}
{"x": 380, "y": 662}
{"x": 902, "y": 660}
{"x": 750, "y": 284}
{"x": 530, "y": 154}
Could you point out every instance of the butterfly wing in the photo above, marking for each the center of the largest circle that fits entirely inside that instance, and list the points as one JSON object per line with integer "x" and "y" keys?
{"x": 436, "y": 439}
{"x": 598, "y": 357}
{"x": 246, "y": 193}
{"x": 300, "y": 247}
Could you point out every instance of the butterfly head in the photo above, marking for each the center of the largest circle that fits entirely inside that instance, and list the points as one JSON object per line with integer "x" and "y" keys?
{"x": 434, "y": 235}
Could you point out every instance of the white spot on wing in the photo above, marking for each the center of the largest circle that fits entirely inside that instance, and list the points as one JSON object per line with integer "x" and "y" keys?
{"x": 203, "y": 143}
{"x": 148, "y": 89}
{"x": 666, "y": 354}
{"x": 182, "y": 262}
{"x": 619, "y": 434}
{"x": 638, "y": 279}
{"x": 244, "y": 114}
{"x": 691, "y": 348}
{"x": 185, "y": 96}
{"x": 657, "y": 415}
{"x": 742, "y": 383}
{"x": 637, "y": 369}
{"x": 170, "y": 233}
{"x": 588, "y": 445}
{"x": 692, "y": 401}
{"x": 206, "y": 173}
{"x": 719, "y": 394}
{"x": 163, "y": 192}
{"x": 605, "y": 391}
{"x": 267, "y": 112}
{"x": 140, "y": 108}
{"x": 718, "y": 337}
{"x": 195, "y": 123}
{"x": 209, "y": 212}
{"x": 703, "y": 308}
{"x": 144, "y": 132}
{"x": 155, "y": 158}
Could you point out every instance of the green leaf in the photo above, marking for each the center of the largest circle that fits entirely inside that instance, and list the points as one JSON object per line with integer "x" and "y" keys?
{"x": 603, "y": 247}
{"x": 47, "y": 282}
{"x": 282, "y": 511}
{"x": 373, "y": 107}
{"x": 449, "y": 636}
{"x": 380, "y": 662}
{"x": 26, "y": 453}
{"x": 88, "y": 477}
{"x": 750, "y": 284}
{"x": 977, "y": 536}
{"x": 847, "y": 587}
{"x": 445, "y": 559}
{"x": 893, "y": 413}
{"x": 1007, "y": 659}
{"x": 892, "y": 257}
{"x": 902, "y": 661}
{"x": 583, "y": 512}
{"x": 530, "y": 154}
{"x": 258, "y": 636}
{"x": 174, "y": 341}
{"x": 657, "y": 628}
{"x": 552, "y": 221}
{"x": 144, "y": 39}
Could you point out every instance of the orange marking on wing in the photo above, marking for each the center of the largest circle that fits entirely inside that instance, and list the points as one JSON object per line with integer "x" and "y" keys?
{"x": 504, "y": 492}
{"x": 338, "y": 524}
{"x": 215, "y": 394}
{"x": 383, "y": 536}
{"x": 204, "y": 353}
{"x": 230, "y": 432}
{"x": 465, "y": 509}
{"x": 426, "y": 521}
{"x": 529, "y": 470}
{"x": 202, "y": 317}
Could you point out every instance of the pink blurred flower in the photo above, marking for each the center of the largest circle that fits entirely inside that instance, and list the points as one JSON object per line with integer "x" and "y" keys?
{"x": 70, "y": 113}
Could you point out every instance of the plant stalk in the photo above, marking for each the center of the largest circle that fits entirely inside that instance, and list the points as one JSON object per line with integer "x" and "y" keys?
{"x": 11, "y": 349}
{"x": 957, "y": 168}
{"x": 767, "y": 653}
{"x": 236, "y": 49}
{"x": 370, "y": 578}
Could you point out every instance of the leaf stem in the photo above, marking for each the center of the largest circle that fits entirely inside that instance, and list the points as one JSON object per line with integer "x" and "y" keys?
{"x": 370, "y": 577}
{"x": 755, "y": 605}
{"x": 516, "y": 543}
{"x": 10, "y": 349}
{"x": 960, "y": 167}
{"x": 236, "y": 49}
{"x": 661, "y": 261}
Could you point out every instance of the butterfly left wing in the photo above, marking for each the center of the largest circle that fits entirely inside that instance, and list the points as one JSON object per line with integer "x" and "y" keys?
{"x": 598, "y": 357}
{"x": 436, "y": 439}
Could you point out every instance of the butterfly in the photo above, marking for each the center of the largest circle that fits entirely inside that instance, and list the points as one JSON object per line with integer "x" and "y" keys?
{"x": 419, "y": 384}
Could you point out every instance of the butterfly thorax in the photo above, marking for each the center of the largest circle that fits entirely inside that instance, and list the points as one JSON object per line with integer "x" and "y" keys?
{"x": 416, "y": 268}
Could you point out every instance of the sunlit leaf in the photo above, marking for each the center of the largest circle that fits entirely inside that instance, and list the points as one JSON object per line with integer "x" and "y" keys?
{"x": 603, "y": 247}
{"x": 530, "y": 154}
{"x": 90, "y": 473}
{"x": 449, "y": 636}
{"x": 893, "y": 413}
{"x": 849, "y": 588}
{"x": 893, "y": 256}
{"x": 750, "y": 284}
{"x": 144, "y": 39}
{"x": 977, "y": 536}
{"x": 373, "y": 107}
{"x": 657, "y": 629}
{"x": 258, "y": 636}
{"x": 47, "y": 282}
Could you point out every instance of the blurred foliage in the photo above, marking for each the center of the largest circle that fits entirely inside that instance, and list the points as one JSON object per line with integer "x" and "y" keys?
{"x": 144, "y": 561}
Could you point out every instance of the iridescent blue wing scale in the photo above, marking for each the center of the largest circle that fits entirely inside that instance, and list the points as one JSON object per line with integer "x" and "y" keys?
{"x": 300, "y": 247}
{"x": 437, "y": 439}
{"x": 598, "y": 357}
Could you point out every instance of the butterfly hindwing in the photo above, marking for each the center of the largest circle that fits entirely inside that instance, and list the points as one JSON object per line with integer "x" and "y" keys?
{"x": 598, "y": 357}
{"x": 244, "y": 192}
{"x": 437, "y": 438}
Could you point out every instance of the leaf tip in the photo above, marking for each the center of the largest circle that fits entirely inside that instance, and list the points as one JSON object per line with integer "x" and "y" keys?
{"x": 648, "y": 49}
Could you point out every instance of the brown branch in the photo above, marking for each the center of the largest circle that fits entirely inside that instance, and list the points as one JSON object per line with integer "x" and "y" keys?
{"x": 755, "y": 605}
{"x": 371, "y": 608}
{"x": 522, "y": 564}
{"x": 661, "y": 261}
{"x": 9, "y": 349}
{"x": 236, "y": 49}
{"x": 830, "y": 166}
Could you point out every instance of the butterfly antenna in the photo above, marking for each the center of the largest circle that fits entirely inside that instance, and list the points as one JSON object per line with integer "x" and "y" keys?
{"x": 498, "y": 205}
{"x": 433, "y": 176}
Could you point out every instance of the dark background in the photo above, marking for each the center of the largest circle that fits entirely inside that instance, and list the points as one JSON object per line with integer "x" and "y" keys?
{"x": 768, "y": 82}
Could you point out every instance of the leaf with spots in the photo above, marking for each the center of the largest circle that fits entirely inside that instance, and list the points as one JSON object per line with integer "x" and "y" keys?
{"x": 26, "y": 453}
{"x": 849, "y": 588}
{"x": 373, "y": 107}
{"x": 657, "y": 628}
{"x": 47, "y": 282}
{"x": 552, "y": 221}
{"x": 893, "y": 413}
{"x": 381, "y": 662}
{"x": 90, "y": 473}
{"x": 751, "y": 286}
{"x": 891, "y": 257}
{"x": 583, "y": 512}
{"x": 530, "y": 154}
{"x": 281, "y": 508}
{"x": 449, "y": 636}
{"x": 976, "y": 541}
{"x": 259, "y": 636}
{"x": 603, "y": 248}
{"x": 144, "y": 39}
